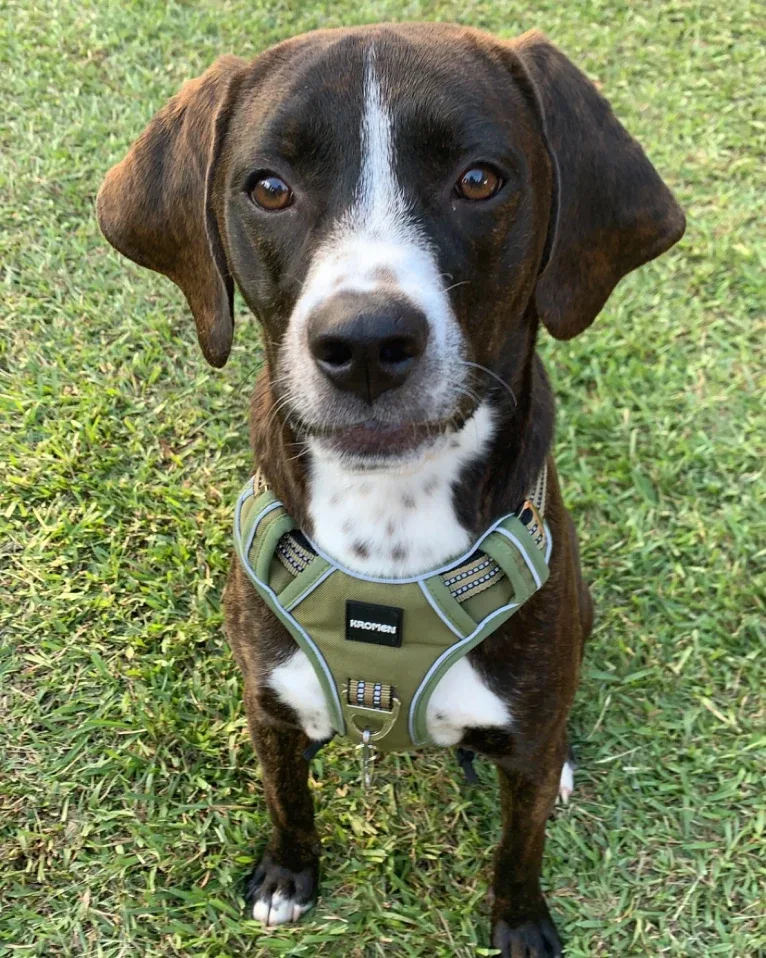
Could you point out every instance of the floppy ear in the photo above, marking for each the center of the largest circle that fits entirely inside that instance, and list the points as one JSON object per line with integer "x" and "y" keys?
{"x": 153, "y": 205}
{"x": 612, "y": 212}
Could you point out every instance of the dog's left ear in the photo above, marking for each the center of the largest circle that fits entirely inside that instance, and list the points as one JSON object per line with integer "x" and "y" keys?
{"x": 612, "y": 212}
{"x": 154, "y": 206}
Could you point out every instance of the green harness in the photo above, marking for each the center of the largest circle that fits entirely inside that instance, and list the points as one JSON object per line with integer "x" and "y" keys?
{"x": 380, "y": 646}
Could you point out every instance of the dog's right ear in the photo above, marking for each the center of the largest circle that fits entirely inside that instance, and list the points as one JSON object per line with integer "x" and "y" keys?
{"x": 153, "y": 206}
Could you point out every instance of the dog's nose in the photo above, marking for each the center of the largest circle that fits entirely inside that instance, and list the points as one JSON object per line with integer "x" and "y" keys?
{"x": 365, "y": 345}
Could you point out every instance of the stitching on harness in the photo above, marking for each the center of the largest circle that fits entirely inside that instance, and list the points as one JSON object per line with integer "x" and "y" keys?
{"x": 290, "y": 556}
{"x": 470, "y": 571}
{"x": 471, "y": 586}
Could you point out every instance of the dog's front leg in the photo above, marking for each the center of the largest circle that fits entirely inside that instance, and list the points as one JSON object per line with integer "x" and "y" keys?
{"x": 521, "y": 923}
{"x": 284, "y": 884}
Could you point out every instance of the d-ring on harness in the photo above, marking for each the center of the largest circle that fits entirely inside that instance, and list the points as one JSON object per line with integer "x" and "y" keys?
{"x": 379, "y": 647}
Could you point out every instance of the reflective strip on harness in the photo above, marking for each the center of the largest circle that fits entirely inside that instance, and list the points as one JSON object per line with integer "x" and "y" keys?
{"x": 380, "y": 646}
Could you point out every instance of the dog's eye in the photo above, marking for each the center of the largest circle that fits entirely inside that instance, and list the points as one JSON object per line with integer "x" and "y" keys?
{"x": 478, "y": 183}
{"x": 272, "y": 193}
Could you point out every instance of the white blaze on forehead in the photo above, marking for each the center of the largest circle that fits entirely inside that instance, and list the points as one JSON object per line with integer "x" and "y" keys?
{"x": 377, "y": 233}
{"x": 381, "y": 207}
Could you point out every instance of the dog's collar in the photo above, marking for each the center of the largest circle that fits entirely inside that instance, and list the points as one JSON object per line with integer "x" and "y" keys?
{"x": 378, "y": 646}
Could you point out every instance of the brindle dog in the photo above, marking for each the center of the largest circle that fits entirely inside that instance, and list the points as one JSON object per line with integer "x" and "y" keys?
{"x": 401, "y": 206}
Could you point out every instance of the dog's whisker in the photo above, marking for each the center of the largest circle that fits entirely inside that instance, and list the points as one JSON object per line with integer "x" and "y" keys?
{"x": 294, "y": 278}
{"x": 302, "y": 453}
{"x": 494, "y": 376}
{"x": 472, "y": 394}
{"x": 463, "y": 282}
{"x": 245, "y": 379}
{"x": 277, "y": 406}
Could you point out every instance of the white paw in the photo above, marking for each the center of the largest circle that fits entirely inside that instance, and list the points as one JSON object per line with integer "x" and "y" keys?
{"x": 278, "y": 910}
{"x": 566, "y": 783}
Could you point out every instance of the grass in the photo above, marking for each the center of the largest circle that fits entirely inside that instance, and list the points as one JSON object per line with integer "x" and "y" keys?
{"x": 130, "y": 803}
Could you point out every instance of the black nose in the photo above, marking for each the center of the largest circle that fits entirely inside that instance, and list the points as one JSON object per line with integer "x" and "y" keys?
{"x": 366, "y": 344}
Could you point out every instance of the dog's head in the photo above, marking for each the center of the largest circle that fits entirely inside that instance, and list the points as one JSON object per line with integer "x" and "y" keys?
{"x": 398, "y": 206}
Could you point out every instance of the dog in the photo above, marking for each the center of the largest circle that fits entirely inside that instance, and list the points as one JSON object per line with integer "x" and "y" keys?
{"x": 401, "y": 206}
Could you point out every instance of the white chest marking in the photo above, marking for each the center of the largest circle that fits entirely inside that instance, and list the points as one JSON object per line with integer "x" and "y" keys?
{"x": 398, "y": 522}
{"x": 460, "y": 701}
{"x": 407, "y": 525}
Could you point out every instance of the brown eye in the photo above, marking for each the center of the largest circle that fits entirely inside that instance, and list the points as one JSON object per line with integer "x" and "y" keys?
{"x": 272, "y": 193}
{"x": 478, "y": 183}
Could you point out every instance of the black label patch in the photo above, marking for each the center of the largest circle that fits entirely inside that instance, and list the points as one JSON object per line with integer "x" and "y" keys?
{"x": 379, "y": 624}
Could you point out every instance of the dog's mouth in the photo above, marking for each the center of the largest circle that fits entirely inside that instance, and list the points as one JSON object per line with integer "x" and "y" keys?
{"x": 382, "y": 440}
{"x": 376, "y": 441}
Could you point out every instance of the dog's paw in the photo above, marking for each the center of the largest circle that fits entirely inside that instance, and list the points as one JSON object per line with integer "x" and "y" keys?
{"x": 532, "y": 939}
{"x": 275, "y": 895}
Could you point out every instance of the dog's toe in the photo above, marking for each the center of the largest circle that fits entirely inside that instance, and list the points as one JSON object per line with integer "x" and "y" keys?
{"x": 278, "y": 910}
{"x": 276, "y": 895}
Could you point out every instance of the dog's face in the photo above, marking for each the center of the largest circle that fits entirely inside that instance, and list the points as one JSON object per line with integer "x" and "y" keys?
{"x": 398, "y": 206}
{"x": 384, "y": 216}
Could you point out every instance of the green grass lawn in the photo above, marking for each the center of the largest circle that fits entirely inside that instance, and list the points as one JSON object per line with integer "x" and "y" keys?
{"x": 130, "y": 800}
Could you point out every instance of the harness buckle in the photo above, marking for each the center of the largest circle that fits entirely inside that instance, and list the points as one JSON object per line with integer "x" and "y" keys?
{"x": 363, "y": 713}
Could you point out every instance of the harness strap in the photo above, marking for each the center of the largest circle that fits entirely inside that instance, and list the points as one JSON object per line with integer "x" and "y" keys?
{"x": 257, "y": 509}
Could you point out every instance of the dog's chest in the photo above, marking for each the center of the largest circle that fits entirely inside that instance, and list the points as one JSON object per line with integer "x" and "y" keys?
{"x": 390, "y": 526}
{"x": 393, "y": 526}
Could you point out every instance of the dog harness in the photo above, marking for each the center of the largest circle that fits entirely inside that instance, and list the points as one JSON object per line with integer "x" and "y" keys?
{"x": 380, "y": 646}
